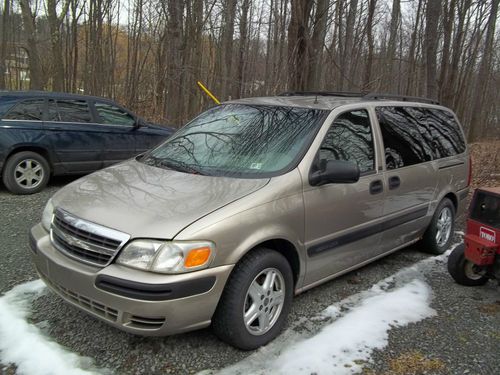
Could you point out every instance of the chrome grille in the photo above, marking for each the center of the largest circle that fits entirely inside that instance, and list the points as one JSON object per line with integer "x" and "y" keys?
{"x": 85, "y": 241}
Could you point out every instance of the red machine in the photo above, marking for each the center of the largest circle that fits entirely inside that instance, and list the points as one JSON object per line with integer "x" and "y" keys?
{"x": 478, "y": 259}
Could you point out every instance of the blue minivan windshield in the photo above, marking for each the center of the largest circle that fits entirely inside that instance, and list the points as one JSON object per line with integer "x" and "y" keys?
{"x": 241, "y": 141}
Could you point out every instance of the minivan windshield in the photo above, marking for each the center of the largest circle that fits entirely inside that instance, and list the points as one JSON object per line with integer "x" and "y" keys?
{"x": 240, "y": 140}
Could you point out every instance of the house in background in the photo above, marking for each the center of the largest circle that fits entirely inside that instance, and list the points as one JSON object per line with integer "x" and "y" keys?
{"x": 17, "y": 68}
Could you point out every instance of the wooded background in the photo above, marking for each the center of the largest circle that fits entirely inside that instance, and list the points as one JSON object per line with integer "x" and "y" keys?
{"x": 148, "y": 54}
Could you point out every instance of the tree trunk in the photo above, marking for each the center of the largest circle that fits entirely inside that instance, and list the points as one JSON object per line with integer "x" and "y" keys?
{"x": 483, "y": 76}
{"x": 298, "y": 44}
{"x": 3, "y": 41}
{"x": 58, "y": 74}
{"x": 432, "y": 14}
{"x": 447, "y": 30}
{"x": 239, "y": 87}
{"x": 34, "y": 62}
{"x": 317, "y": 43}
{"x": 367, "y": 86}
{"x": 226, "y": 51}
{"x": 389, "y": 82}
{"x": 346, "y": 59}
{"x": 450, "y": 82}
{"x": 413, "y": 47}
{"x": 174, "y": 61}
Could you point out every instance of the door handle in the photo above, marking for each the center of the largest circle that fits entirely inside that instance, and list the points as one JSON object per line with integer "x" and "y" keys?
{"x": 376, "y": 187}
{"x": 394, "y": 182}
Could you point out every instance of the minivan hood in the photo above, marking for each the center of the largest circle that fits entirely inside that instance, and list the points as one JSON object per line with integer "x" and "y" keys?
{"x": 150, "y": 202}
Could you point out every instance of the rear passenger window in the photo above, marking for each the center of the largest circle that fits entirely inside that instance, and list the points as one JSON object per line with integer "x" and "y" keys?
{"x": 447, "y": 137}
{"x": 407, "y": 138}
{"x": 350, "y": 138}
{"x": 28, "y": 110}
{"x": 69, "y": 111}
{"x": 110, "y": 114}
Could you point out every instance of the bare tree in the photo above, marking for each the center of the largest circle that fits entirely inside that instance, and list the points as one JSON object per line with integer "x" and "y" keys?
{"x": 298, "y": 44}
{"x": 317, "y": 44}
{"x": 3, "y": 41}
{"x": 367, "y": 85}
{"x": 432, "y": 15}
{"x": 55, "y": 23}
{"x": 483, "y": 75}
{"x": 389, "y": 80}
{"x": 35, "y": 67}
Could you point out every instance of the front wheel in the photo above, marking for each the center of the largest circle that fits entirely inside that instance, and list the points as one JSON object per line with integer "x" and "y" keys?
{"x": 463, "y": 271}
{"x": 438, "y": 236}
{"x": 256, "y": 300}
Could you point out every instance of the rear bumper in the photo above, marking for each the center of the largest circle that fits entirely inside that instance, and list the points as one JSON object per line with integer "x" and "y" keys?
{"x": 132, "y": 300}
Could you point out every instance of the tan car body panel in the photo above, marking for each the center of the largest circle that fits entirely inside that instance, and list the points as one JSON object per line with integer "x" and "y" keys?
{"x": 150, "y": 202}
{"x": 241, "y": 214}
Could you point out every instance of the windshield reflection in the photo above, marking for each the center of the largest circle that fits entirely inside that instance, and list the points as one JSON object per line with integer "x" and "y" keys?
{"x": 240, "y": 140}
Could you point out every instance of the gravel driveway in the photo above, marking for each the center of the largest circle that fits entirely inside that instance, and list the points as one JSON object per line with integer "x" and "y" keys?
{"x": 463, "y": 338}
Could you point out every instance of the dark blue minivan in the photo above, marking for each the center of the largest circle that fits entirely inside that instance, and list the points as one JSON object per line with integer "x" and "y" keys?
{"x": 45, "y": 133}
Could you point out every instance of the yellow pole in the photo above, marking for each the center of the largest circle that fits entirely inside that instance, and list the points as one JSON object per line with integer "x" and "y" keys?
{"x": 207, "y": 91}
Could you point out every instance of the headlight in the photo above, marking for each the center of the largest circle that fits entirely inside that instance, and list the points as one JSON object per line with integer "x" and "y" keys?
{"x": 48, "y": 212}
{"x": 167, "y": 257}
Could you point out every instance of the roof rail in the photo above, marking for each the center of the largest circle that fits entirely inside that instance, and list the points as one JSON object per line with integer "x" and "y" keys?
{"x": 324, "y": 93}
{"x": 364, "y": 95}
{"x": 404, "y": 98}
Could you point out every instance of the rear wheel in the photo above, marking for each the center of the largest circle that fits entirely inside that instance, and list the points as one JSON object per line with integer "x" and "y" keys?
{"x": 439, "y": 234}
{"x": 256, "y": 300}
{"x": 463, "y": 271}
{"x": 26, "y": 173}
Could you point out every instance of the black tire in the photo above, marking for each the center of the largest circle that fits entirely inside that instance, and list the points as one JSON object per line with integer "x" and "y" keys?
{"x": 430, "y": 241}
{"x": 37, "y": 173}
{"x": 228, "y": 320}
{"x": 462, "y": 270}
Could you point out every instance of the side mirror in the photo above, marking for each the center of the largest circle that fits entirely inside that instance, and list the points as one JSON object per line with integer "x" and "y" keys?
{"x": 335, "y": 171}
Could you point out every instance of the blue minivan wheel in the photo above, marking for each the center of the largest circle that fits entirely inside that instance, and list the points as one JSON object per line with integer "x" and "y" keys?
{"x": 26, "y": 172}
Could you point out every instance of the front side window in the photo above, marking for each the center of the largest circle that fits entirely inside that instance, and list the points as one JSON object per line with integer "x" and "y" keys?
{"x": 69, "y": 111}
{"x": 28, "y": 110}
{"x": 240, "y": 140}
{"x": 110, "y": 114}
{"x": 407, "y": 141}
{"x": 350, "y": 138}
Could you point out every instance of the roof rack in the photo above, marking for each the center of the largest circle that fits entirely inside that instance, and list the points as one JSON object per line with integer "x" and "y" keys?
{"x": 324, "y": 93}
{"x": 404, "y": 98}
{"x": 364, "y": 95}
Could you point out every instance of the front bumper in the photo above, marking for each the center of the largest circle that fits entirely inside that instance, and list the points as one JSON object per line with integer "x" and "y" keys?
{"x": 135, "y": 301}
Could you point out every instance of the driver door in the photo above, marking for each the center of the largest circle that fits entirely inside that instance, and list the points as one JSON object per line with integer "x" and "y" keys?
{"x": 342, "y": 220}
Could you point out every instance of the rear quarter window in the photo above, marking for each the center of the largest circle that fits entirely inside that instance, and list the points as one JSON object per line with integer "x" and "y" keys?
{"x": 446, "y": 134}
{"x": 27, "y": 110}
{"x": 6, "y": 103}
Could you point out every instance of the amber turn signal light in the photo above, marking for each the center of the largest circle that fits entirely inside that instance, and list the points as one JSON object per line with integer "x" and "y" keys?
{"x": 197, "y": 257}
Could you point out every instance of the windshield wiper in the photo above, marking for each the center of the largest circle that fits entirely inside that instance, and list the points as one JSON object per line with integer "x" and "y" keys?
{"x": 173, "y": 165}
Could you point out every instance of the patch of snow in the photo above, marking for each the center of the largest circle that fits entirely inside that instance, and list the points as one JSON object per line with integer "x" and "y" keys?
{"x": 352, "y": 328}
{"x": 24, "y": 345}
{"x": 340, "y": 346}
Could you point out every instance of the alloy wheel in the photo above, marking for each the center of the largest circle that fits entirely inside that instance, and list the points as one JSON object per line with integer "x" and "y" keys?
{"x": 264, "y": 301}
{"x": 29, "y": 173}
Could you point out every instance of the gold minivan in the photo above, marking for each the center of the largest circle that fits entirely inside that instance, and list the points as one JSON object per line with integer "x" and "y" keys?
{"x": 250, "y": 203}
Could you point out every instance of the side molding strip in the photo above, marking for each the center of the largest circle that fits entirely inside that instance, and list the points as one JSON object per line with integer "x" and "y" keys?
{"x": 366, "y": 232}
